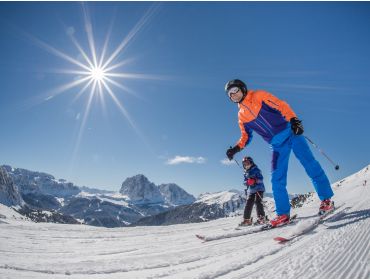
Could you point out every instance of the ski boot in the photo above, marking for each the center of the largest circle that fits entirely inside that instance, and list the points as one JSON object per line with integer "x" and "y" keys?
{"x": 326, "y": 207}
{"x": 262, "y": 220}
{"x": 280, "y": 220}
{"x": 246, "y": 222}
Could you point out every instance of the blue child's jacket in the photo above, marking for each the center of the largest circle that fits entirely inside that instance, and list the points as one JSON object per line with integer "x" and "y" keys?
{"x": 255, "y": 172}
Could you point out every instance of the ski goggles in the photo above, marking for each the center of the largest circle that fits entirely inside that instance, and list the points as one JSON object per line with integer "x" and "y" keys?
{"x": 232, "y": 91}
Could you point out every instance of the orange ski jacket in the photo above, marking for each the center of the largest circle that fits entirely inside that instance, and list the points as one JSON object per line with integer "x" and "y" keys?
{"x": 262, "y": 112}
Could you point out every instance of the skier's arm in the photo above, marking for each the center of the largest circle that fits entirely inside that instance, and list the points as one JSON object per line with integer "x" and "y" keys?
{"x": 245, "y": 138}
{"x": 259, "y": 176}
{"x": 277, "y": 104}
{"x": 255, "y": 175}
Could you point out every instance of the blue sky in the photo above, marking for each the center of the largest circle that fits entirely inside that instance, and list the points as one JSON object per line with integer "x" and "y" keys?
{"x": 313, "y": 55}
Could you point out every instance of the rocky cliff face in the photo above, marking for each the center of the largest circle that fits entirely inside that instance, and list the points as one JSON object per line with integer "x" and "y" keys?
{"x": 38, "y": 182}
{"x": 9, "y": 194}
{"x": 174, "y": 195}
{"x": 141, "y": 191}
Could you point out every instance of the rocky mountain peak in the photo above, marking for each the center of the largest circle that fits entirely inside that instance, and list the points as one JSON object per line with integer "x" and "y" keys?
{"x": 140, "y": 190}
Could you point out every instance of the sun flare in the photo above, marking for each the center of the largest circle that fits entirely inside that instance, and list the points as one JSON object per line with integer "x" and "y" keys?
{"x": 97, "y": 74}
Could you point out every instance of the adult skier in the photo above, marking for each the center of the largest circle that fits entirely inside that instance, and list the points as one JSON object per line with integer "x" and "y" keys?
{"x": 253, "y": 179}
{"x": 276, "y": 122}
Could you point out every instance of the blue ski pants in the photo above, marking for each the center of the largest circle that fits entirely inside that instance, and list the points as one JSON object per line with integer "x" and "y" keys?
{"x": 280, "y": 159}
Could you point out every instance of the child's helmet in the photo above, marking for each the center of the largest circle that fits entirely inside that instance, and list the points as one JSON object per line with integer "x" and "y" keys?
{"x": 247, "y": 161}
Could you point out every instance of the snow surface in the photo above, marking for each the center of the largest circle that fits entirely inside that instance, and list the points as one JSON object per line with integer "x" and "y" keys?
{"x": 338, "y": 248}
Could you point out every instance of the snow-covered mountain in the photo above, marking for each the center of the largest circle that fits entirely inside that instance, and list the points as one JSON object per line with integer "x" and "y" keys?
{"x": 51, "y": 200}
{"x": 338, "y": 248}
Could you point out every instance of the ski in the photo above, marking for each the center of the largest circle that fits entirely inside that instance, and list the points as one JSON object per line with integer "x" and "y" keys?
{"x": 241, "y": 232}
{"x": 308, "y": 225}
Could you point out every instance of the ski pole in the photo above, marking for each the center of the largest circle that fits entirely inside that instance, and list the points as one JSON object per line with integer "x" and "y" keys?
{"x": 238, "y": 163}
{"x": 336, "y": 166}
{"x": 259, "y": 196}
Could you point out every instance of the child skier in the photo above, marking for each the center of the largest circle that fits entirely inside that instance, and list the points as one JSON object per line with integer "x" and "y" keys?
{"x": 253, "y": 179}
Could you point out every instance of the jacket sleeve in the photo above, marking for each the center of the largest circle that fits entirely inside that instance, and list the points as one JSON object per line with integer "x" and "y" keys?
{"x": 256, "y": 174}
{"x": 259, "y": 176}
{"x": 277, "y": 104}
{"x": 246, "y": 136}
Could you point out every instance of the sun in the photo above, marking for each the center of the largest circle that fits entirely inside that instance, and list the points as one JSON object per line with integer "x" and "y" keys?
{"x": 97, "y": 74}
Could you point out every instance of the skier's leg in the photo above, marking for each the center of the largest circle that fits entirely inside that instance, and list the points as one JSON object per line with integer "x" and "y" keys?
{"x": 313, "y": 168}
{"x": 280, "y": 159}
{"x": 259, "y": 204}
{"x": 249, "y": 206}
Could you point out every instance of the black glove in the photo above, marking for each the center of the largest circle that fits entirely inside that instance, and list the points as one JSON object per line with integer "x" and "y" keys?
{"x": 296, "y": 126}
{"x": 232, "y": 151}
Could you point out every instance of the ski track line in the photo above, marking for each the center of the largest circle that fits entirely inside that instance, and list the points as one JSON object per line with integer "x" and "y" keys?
{"x": 156, "y": 254}
{"x": 126, "y": 242}
{"x": 277, "y": 260}
{"x": 277, "y": 256}
{"x": 209, "y": 260}
{"x": 139, "y": 267}
{"x": 317, "y": 256}
{"x": 360, "y": 256}
{"x": 208, "y": 254}
{"x": 233, "y": 258}
{"x": 354, "y": 232}
{"x": 184, "y": 260}
{"x": 350, "y": 235}
{"x": 352, "y": 256}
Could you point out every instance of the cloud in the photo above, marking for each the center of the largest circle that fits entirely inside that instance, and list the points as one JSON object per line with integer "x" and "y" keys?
{"x": 226, "y": 161}
{"x": 70, "y": 31}
{"x": 185, "y": 159}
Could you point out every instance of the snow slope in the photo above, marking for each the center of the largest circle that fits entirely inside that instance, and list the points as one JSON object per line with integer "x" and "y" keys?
{"x": 338, "y": 248}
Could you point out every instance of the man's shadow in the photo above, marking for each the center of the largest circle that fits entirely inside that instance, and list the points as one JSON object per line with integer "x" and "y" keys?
{"x": 351, "y": 217}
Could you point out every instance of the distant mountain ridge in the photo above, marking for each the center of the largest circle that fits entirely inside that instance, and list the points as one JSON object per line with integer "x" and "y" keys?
{"x": 138, "y": 202}
{"x": 40, "y": 192}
